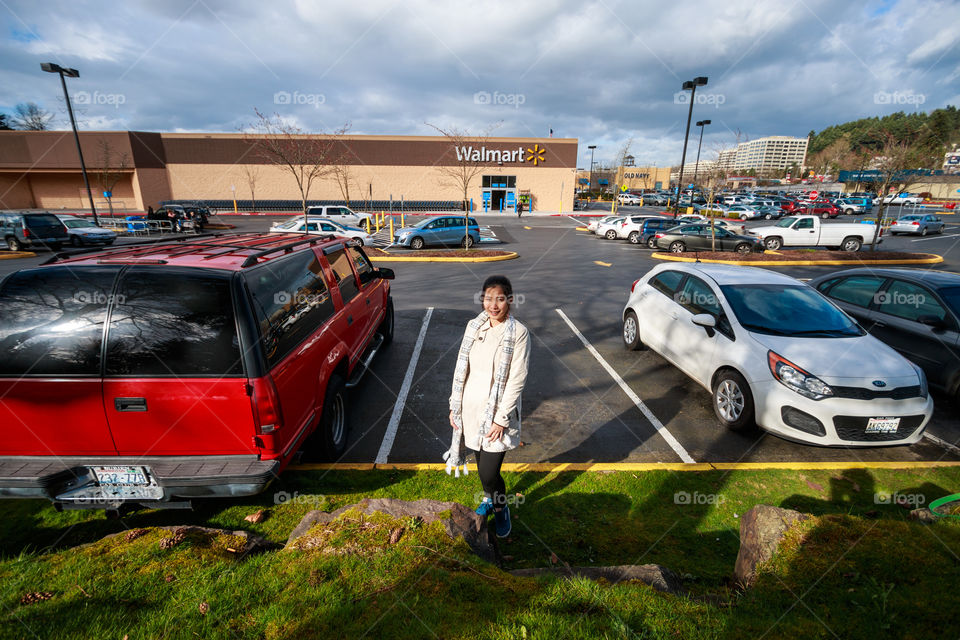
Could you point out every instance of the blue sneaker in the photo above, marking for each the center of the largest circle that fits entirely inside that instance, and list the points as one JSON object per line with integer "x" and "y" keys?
{"x": 502, "y": 520}
{"x": 485, "y": 508}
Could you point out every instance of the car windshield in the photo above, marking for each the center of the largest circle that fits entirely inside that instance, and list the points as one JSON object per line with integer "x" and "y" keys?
{"x": 786, "y": 222}
{"x": 952, "y": 297}
{"x": 775, "y": 309}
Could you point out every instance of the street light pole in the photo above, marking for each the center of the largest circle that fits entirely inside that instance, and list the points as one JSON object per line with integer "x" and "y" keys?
{"x": 699, "y": 81}
{"x": 696, "y": 167}
{"x": 73, "y": 73}
{"x": 591, "y": 147}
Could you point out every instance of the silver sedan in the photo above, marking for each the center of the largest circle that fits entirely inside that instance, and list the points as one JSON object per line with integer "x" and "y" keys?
{"x": 920, "y": 223}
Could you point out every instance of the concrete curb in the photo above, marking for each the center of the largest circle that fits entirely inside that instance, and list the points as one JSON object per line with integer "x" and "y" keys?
{"x": 13, "y": 255}
{"x": 934, "y": 259}
{"x": 509, "y": 256}
{"x": 554, "y": 467}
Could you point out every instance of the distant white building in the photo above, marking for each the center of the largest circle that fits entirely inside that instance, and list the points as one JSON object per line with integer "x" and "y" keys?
{"x": 951, "y": 162}
{"x": 773, "y": 153}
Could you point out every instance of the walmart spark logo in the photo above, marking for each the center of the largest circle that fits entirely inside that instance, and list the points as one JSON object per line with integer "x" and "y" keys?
{"x": 536, "y": 155}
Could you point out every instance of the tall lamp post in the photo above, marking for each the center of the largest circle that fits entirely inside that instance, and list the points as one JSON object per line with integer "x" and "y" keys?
{"x": 699, "y": 81}
{"x": 73, "y": 73}
{"x": 696, "y": 167}
{"x": 591, "y": 147}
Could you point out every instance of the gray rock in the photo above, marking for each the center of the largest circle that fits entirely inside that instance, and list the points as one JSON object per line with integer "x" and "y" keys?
{"x": 923, "y": 515}
{"x": 462, "y": 522}
{"x": 658, "y": 577}
{"x": 761, "y": 530}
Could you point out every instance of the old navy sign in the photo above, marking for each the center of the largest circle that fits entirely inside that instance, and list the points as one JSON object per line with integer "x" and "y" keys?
{"x": 494, "y": 156}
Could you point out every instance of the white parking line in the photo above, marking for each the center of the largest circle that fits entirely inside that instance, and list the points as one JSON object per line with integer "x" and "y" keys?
{"x": 662, "y": 430}
{"x": 943, "y": 443}
{"x": 394, "y": 423}
{"x": 937, "y": 237}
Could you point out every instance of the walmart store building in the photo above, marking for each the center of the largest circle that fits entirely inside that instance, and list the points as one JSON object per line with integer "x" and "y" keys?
{"x": 41, "y": 170}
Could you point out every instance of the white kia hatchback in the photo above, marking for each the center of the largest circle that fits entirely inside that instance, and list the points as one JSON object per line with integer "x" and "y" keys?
{"x": 776, "y": 353}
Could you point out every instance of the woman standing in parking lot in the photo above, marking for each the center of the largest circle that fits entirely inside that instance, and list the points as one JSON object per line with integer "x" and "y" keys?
{"x": 489, "y": 377}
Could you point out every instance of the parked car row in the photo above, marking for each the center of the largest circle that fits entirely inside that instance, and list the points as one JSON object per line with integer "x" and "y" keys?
{"x": 685, "y": 233}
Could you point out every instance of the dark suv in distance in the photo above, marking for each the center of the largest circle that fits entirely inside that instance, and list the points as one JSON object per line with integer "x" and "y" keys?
{"x": 25, "y": 230}
{"x": 154, "y": 374}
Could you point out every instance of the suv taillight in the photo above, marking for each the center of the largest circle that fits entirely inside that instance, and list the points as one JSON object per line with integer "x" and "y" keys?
{"x": 266, "y": 405}
{"x": 26, "y": 232}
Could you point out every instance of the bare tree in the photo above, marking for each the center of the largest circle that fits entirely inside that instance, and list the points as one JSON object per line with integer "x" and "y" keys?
{"x": 893, "y": 163}
{"x": 305, "y": 156}
{"x": 251, "y": 172}
{"x": 468, "y": 164}
{"x": 111, "y": 168}
{"x": 28, "y": 116}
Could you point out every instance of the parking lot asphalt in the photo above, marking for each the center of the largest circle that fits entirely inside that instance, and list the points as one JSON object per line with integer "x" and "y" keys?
{"x": 587, "y": 398}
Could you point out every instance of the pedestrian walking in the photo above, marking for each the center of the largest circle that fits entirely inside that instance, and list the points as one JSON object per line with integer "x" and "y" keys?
{"x": 519, "y": 208}
{"x": 488, "y": 380}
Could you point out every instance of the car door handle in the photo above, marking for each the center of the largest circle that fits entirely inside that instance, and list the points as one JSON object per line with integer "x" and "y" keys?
{"x": 879, "y": 325}
{"x": 130, "y": 404}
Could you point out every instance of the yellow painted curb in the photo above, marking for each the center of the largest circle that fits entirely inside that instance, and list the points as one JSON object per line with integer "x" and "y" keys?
{"x": 13, "y": 255}
{"x": 581, "y": 229}
{"x": 555, "y": 467}
{"x": 509, "y": 256}
{"x": 934, "y": 259}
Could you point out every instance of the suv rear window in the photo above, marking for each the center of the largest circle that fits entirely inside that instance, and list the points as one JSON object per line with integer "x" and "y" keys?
{"x": 51, "y": 320}
{"x": 173, "y": 322}
{"x": 42, "y": 220}
{"x": 291, "y": 300}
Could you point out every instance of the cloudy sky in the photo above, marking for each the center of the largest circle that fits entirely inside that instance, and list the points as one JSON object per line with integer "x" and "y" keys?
{"x": 603, "y": 72}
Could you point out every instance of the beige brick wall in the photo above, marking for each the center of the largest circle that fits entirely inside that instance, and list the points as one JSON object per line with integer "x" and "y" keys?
{"x": 15, "y": 192}
{"x": 549, "y": 186}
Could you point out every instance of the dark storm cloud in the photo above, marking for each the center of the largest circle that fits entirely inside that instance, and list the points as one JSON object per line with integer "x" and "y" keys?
{"x": 600, "y": 71}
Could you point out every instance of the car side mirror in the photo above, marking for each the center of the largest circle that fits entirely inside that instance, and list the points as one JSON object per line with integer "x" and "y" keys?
{"x": 707, "y": 321}
{"x": 385, "y": 273}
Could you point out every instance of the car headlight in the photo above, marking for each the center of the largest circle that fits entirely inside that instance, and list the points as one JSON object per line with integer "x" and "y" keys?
{"x": 796, "y": 379}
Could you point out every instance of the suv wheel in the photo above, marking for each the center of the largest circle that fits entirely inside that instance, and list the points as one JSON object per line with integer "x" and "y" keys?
{"x": 652, "y": 242}
{"x": 13, "y": 244}
{"x": 631, "y": 332}
{"x": 416, "y": 244}
{"x": 610, "y": 235}
{"x": 634, "y": 237}
{"x": 333, "y": 428}
{"x": 733, "y": 402}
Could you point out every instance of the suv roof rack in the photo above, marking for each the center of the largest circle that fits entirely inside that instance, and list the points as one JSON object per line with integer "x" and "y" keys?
{"x": 286, "y": 248}
{"x": 62, "y": 255}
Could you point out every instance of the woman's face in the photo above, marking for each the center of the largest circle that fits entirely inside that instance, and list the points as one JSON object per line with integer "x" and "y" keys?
{"x": 496, "y": 304}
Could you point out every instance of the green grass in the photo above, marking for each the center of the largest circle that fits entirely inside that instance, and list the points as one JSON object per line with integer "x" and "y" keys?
{"x": 858, "y": 570}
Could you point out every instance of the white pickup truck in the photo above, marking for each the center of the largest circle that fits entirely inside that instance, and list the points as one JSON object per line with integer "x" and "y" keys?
{"x": 809, "y": 231}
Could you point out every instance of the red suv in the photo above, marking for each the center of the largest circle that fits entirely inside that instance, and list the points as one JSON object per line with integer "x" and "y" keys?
{"x": 153, "y": 374}
{"x": 823, "y": 208}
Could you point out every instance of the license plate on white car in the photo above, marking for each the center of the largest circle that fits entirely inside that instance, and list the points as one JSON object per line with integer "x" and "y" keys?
{"x": 882, "y": 425}
{"x": 121, "y": 476}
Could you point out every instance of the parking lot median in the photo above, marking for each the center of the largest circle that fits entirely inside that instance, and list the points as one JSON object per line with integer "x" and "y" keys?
{"x": 442, "y": 255}
{"x": 802, "y": 257}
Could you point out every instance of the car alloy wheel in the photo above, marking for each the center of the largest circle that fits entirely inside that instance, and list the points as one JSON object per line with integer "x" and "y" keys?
{"x": 13, "y": 244}
{"x": 467, "y": 242}
{"x": 851, "y": 244}
{"x": 923, "y": 231}
{"x": 610, "y": 235}
{"x": 634, "y": 237}
{"x": 743, "y": 247}
{"x": 773, "y": 243}
{"x": 416, "y": 244}
{"x": 733, "y": 402}
{"x": 631, "y": 332}
{"x": 677, "y": 247}
{"x": 652, "y": 242}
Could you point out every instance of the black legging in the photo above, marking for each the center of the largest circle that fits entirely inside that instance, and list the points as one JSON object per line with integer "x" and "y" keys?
{"x": 488, "y": 466}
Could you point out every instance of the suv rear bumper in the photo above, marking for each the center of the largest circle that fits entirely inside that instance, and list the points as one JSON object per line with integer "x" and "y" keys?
{"x": 172, "y": 477}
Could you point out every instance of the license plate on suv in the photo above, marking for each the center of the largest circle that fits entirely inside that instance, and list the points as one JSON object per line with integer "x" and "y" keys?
{"x": 122, "y": 476}
{"x": 882, "y": 425}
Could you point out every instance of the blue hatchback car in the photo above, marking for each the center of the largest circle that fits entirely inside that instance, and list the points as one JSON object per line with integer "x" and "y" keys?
{"x": 446, "y": 230}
